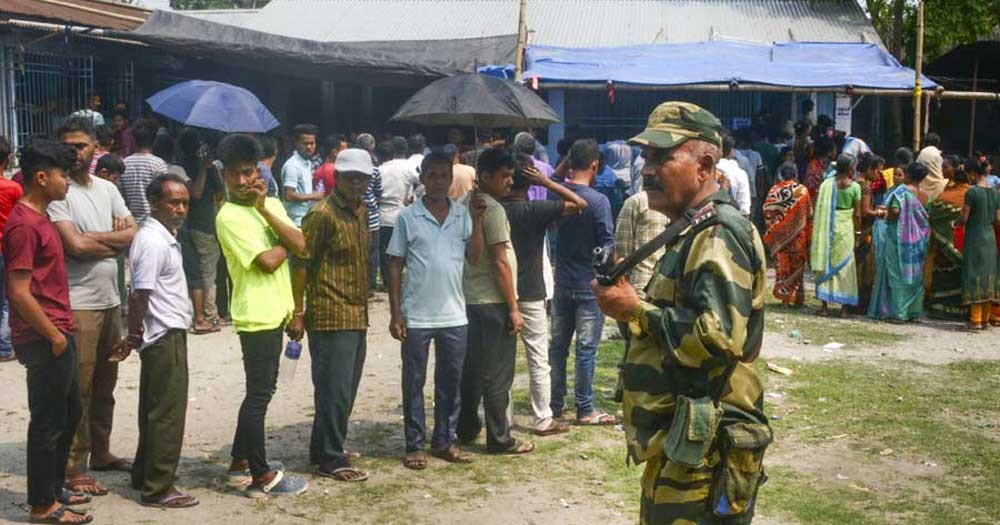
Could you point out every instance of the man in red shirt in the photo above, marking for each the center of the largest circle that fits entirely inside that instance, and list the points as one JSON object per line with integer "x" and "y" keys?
{"x": 42, "y": 329}
{"x": 325, "y": 173}
{"x": 10, "y": 192}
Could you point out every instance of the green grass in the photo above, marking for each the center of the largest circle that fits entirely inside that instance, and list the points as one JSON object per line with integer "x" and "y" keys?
{"x": 857, "y": 331}
{"x": 923, "y": 413}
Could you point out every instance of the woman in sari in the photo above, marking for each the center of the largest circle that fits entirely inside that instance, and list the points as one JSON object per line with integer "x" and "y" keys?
{"x": 824, "y": 151}
{"x": 979, "y": 261}
{"x": 900, "y": 249}
{"x": 943, "y": 271}
{"x": 873, "y": 190}
{"x": 788, "y": 214}
{"x": 838, "y": 213}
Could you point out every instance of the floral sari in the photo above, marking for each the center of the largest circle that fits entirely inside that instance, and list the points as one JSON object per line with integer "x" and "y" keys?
{"x": 900, "y": 250}
{"x": 943, "y": 270}
{"x": 787, "y": 214}
{"x": 814, "y": 176}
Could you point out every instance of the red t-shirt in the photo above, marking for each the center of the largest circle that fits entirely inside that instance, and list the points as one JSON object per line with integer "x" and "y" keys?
{"x": 325, "y": 173}
{"x": 30, "y": 242}
{"x": 10, "y": 192}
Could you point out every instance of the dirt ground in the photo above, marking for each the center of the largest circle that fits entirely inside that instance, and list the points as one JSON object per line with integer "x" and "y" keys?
{"x": 216, "y": 390}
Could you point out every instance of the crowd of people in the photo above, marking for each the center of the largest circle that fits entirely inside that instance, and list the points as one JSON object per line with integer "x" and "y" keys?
{"x": 478, "y": 246}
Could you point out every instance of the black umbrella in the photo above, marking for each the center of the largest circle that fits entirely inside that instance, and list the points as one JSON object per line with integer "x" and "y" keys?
{"x": 477, "y": 101}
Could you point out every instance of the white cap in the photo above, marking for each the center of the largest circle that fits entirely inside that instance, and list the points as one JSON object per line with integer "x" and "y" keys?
{"x": 354, "y": 159}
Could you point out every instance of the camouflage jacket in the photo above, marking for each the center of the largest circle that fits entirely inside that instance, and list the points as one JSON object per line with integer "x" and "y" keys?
{"x": 704, "y": 312}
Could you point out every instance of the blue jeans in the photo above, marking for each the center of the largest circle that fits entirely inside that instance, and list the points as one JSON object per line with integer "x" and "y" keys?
{"x": 574, "y": 311}
{"x": 449, "y": 351}
{"x": 6, "y": 350}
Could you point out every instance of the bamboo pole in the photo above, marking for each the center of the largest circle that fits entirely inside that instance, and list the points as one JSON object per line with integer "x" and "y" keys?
{"x": 918, "y": 67}
{"x": 972, "y": 109}
{"x": 522, "y": 39}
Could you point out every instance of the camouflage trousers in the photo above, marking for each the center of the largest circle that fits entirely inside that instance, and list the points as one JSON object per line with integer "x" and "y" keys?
{"x": 674, "y": 494}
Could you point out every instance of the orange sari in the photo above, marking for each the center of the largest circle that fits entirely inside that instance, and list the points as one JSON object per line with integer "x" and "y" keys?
{"x": 788, "y": 214}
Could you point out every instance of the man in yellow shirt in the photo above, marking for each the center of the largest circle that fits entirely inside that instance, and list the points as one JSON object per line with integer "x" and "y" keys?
{"x": 257, "y": 238}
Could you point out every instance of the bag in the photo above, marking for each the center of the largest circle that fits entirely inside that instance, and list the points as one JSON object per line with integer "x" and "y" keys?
{"x": 741, "y": 468}
{"x": 692, "y": 430}
{"x": 958, "y": 238}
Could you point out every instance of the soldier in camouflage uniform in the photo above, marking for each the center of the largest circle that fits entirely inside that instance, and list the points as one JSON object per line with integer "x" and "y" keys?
{"x": 694, "y": 337}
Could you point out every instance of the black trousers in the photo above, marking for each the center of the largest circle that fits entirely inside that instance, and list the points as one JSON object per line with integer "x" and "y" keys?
{"x": 261, "y": 353}
{"x": 384, "y": 236}
{"x": 338, "y": 357}
{"x": 488, "y": 374}
{"x": 55, "y": 408}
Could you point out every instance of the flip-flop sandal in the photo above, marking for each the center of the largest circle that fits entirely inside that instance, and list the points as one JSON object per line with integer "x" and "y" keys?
{"x": 452, "y": 455}
{"x": 56, "y": 517}
{"x": 517, "y": 449}
{"x": 203, "y": 331}
{"x": 598, "y": 419}
{"x": 339, "y": 474}
{"x": 76, "y": 484}
{"x": 118, "y": 465}
{"x": 174, "y": 500}
{"x": 70, "y": 498}
{"x": 554, "y": 428}
{"x": 415, "y": 461}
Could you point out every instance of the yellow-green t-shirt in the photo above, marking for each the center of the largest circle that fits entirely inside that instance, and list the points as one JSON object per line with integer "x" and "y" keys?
{"x": 260, "y": 300}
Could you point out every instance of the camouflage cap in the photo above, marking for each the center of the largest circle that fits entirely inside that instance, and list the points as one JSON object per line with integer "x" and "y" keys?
{"x": 673, "y": 123}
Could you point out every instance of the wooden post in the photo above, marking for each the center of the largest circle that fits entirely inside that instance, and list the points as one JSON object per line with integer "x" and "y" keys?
{"x": 972, "y": 109}
{"x": 522, "y": 39}
{"x": 918, "y": 66}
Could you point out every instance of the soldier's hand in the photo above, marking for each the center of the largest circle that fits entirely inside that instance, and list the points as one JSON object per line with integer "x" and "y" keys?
{"x": 618, "y": 301}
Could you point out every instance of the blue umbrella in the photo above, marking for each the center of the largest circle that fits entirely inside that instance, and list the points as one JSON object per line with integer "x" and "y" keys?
{"x": 213, "y": 105}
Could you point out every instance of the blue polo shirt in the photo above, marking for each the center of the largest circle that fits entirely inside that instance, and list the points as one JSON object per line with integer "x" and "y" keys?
{"x": 578, "y": 236}
{"x": 434, "y": 256}
{"x": 297, "y": 174}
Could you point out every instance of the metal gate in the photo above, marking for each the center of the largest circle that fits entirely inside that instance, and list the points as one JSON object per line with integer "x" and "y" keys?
{"x": 46, "y": 88}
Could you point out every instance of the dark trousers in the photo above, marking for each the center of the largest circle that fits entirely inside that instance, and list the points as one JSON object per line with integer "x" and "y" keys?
{"x": 374, "y": 247}
{"x": 488, "y": 374}
{"x": 449, "y": 357}
{"x": 163, "y": 396}
{"x": 338, "y": 357}
{"x": 384, "y": 236}
{"x": 261, "y": 352}
{"x": 55, "y": 408}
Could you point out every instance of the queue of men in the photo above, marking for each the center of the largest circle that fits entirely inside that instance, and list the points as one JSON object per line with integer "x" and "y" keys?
{"x": 466, "y": 274}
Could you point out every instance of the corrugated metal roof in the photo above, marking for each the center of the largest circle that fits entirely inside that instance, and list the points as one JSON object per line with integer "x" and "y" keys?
{"x": 233, "y": 17}
{"x": 89, "y": 13}
{"x": 569, "y": 23}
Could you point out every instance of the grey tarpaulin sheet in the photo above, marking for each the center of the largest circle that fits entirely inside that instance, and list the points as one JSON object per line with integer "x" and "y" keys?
{"x": 430, "y": 58}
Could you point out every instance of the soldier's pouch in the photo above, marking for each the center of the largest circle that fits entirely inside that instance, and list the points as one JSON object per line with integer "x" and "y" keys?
{"x": 741, "y": 467}
{"x": 692, "y": 430}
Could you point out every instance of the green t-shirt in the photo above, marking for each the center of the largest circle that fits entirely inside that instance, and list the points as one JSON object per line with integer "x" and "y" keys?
{"x": 479, "y": 280}
{"x": 260, "y": 300}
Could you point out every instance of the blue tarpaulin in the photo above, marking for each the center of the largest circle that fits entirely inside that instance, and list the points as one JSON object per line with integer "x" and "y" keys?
{"x": 792, "y": 64}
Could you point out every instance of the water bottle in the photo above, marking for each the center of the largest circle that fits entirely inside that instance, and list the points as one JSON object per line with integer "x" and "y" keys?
{"x": 289, "y": 359}
{"x": 320, "y": 186}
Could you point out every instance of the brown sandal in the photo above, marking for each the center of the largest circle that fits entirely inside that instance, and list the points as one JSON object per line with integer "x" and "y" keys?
{"x": 415, "y": 460}
{"x": 173, "y": 500}
{"x": 452, "y": 454}
{"x": 554, "y": 428}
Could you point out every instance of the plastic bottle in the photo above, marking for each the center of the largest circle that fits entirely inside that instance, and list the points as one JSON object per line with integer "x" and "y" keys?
{"x": 320, "y": 186}
{"x": 289, "y": 360}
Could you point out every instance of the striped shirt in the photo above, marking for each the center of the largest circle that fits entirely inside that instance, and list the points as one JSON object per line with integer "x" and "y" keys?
{"x": 140, "y": 170}
{"x": 336, "y": 259}
{"x": 371, "y": 199}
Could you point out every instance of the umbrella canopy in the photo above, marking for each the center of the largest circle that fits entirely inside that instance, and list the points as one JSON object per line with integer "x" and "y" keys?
{"x": 477, "y": 101}
{"x": 213, "y": 105}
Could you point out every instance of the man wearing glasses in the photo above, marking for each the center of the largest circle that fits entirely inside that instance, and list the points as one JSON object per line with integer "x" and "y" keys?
{"x": 95, "y": 227}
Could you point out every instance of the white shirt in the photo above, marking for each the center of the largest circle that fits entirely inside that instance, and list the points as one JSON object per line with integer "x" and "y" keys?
{"x": 739, "y": 183}
{"x": 399, "y": 184}
{"x": 155, "y": 264}
{"x": 297, "y": 173}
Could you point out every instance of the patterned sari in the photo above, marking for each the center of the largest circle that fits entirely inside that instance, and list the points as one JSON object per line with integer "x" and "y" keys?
{"x": 815, "y": 173}
{"x": 832, "y": 253}
{"x": 943, "y": 270}
{"x": 900, "y": 250}
{"x": 787, "y": 213}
